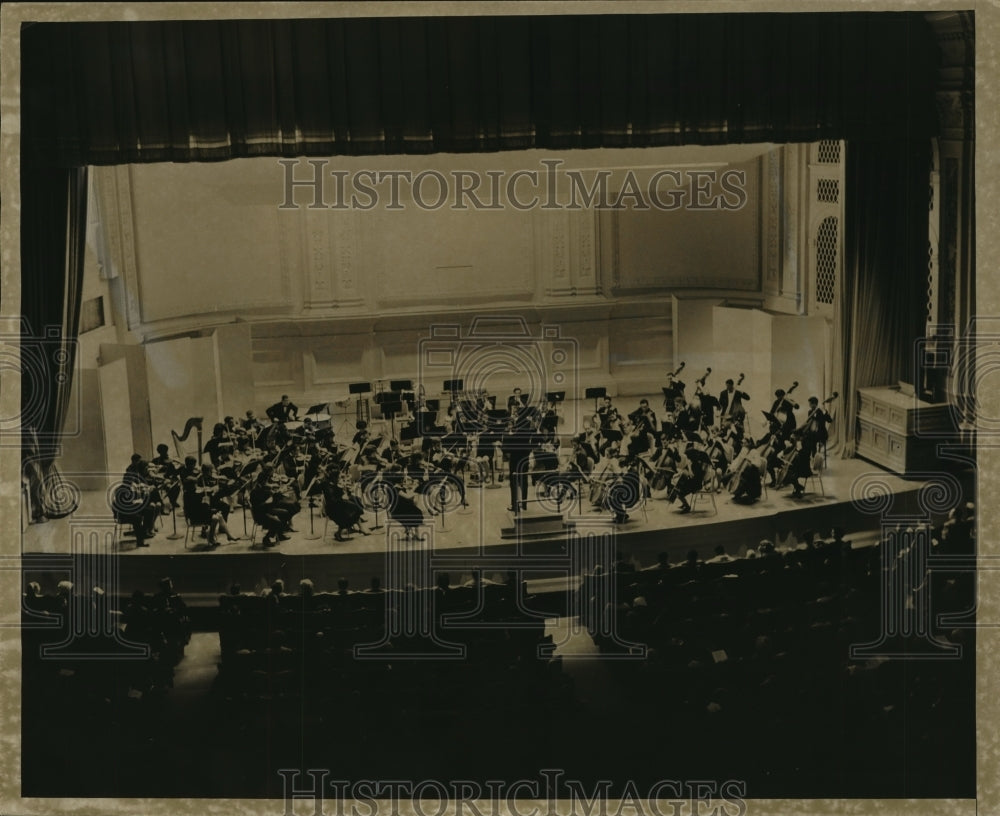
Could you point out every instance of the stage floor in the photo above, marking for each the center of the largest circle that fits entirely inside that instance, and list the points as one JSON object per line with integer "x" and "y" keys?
{"x": 479, "y": 525}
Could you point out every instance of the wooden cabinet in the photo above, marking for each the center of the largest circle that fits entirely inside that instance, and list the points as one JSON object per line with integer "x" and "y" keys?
{"x": 901, "y": 432}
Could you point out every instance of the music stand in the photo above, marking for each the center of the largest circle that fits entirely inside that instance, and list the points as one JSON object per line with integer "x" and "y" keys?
{"x": 361, "y": 410}
{"x": 595, "y": 394}
{"x": 409, "y": 433}
{"x": 453, "y": 387}
{"x": 389, "y": 411}
{"x": 400, "y": 385}
{"x": 321, "y": 408}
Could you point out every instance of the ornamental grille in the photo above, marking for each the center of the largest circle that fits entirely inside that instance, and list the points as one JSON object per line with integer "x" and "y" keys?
{"x": 826, "y": 260}
{"x": 828, "y": 190}
{"x": 829, "y": 151}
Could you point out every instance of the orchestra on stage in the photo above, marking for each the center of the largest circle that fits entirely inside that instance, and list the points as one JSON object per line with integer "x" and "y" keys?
{"x": 421, "y": 458}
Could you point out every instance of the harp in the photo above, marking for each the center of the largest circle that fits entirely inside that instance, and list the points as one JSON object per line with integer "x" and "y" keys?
{"x": 193, "y": 422}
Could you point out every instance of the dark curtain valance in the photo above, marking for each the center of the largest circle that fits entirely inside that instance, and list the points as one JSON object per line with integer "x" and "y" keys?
{"x": 110, "y": 93}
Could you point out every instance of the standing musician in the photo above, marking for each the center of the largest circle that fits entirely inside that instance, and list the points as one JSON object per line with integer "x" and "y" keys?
{"x": 731, "y": 403}
{"x": 284, "y": 411}
{"x": 672, "y": 392}
{"x": 783, "y": 408}
{"x": 517, "y": 445}
{"x": 814, "y": 428}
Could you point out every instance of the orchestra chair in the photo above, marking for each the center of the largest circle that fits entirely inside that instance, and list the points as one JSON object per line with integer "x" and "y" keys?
{"x": 707, "y": 490}
{"x": 191, "y": 532}
{"x": 818, "y": 465}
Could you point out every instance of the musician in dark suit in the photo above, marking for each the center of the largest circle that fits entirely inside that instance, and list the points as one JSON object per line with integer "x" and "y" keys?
{"x": 220, "y": 447}
{"x": 134, "y": 501}
{"x": 814, "y": 427}
{"x": 643, "y": 427}
{"x": 518, "y": 445}
{"x": 284, "y": 411}
{"x": 517, "y": 400}
{"x": 783, "y": 408}
{"x": 731, "y": 402}
{"x": 672, "y": 392}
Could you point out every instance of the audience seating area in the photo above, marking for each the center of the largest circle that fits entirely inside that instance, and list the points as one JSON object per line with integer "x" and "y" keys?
{"x": 749, "y": 659}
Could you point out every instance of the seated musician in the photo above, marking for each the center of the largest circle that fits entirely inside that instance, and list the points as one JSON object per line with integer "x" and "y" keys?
{"x": 284, "y": 411}
{"x": 168, "y": 471}
{"x": 607, "y": 414}
{"x": 341, "y": 506}
{"x": 266, "y": 511}
{"x": 485, "y": 455}
{"x": 516, "y": 401}
{"x": 218, "y": 488}
{"x": 198, "y": 502}
{"x": 815, "y": 433}
{"x": 750, "y": 476}
{"x": 403, "y": 509}
{"x": 545, "y": 462}
{"x": 796, "y": 458}
{"x": 251, "y": 424}
{"x": 580, "y": 464}
{"x": 627, "y": 489}
{"x": 603, "y": 475}
{"x": 691, "y": 474}
{"x": 688, "y": 418}
{"x": 134, "y": 502}
{"x": 443, "y": 466}
{"x": 643, "y": 428}
{"x": 220, "y": 447}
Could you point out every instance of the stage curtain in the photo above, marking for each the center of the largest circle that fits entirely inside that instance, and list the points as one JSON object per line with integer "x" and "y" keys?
{"x": 883, "y": 291}
{"x": 116, "y": 92}
{"x": 53, "y": 243}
